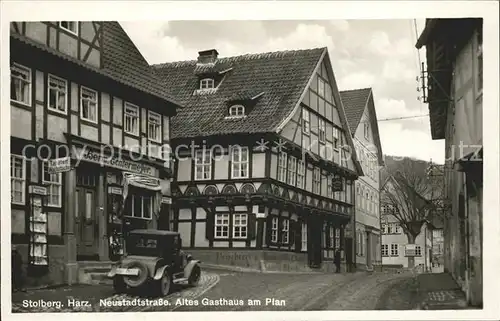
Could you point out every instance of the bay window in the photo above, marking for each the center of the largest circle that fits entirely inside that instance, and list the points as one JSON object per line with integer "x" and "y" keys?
{"x": 292, "y": 170}
{"x": 301, "y": 173}
{"x": 282, "y": 159}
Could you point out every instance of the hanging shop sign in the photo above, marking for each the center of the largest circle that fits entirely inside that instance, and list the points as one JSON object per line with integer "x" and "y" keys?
{"x": 337, "y": 185}
{"x": 59, "y": 165}
{"x": 114, "y": 161}
{"x": 115, "y": 190}
{"x": 37, "y": 190}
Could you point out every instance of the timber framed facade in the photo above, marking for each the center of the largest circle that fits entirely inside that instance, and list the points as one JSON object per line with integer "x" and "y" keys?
{"x": 253, "y": 173}
{"x": 68, "y": 97}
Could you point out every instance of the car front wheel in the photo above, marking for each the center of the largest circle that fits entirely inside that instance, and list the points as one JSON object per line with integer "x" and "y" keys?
{"x": 165, "y": 284}
{"x": 195, "y": 275}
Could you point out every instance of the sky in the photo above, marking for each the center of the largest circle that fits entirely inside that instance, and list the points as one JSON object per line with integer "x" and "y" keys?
{"x": 365, "y": 53}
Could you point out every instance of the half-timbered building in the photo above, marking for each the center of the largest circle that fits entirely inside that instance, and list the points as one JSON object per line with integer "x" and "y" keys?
{"x": 83, "y": 97}
{"x": 264, "y": 170}
{"x": 362, "y": 118}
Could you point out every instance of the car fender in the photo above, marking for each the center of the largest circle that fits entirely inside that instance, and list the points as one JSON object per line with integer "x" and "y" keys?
{"x": 189, "y": 267}
{"x": 159, "y": 272}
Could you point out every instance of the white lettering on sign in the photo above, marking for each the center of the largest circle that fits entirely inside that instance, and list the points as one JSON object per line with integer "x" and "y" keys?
{"x": 115, "y": 190}
{"x": 59, "y": 165}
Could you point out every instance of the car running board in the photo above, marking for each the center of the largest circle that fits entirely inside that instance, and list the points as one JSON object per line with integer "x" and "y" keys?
{"x": 180, "y": 280}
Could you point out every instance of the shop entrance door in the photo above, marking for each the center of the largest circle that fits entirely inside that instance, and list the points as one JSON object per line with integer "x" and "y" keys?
{"x": 86, "y": 224}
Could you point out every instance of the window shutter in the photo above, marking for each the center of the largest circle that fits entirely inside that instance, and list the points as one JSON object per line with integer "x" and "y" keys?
{"x": 251, "y": 226}
{"x": 209, "y": 227}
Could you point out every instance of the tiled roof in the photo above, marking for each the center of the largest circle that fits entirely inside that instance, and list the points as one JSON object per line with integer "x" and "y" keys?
{"x": 121, "y": 61}
{"x": 354, "y": 102}
{"x": 281, "y": 76}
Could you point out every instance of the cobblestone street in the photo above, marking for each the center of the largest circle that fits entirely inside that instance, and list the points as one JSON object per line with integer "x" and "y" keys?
{"x": 232, "y": 291}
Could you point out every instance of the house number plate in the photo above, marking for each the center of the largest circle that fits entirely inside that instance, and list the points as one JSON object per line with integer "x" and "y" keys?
{"x": 123, "y": 271}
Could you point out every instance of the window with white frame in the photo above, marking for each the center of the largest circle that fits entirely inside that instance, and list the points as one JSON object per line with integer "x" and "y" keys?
{"x": 285, "y": 231}
{"x": 306, "y": 121}
{"x": 394, "y": 249}
{"x": 274, "y": 230}
{"x": 221, "y": 225}
{"x": 316, "y": 180}
{"x": 207, "y": 83}
{"x": 397, "y": 228}
{"x": 58, "y": 94}
{"x": 292, "y": 170}
{"x": 203, "y": 164}
{"x": 301, "y": 173}
{"x": 389, "y": 228}
{"x": 337, "y": 238}
{"x": 360, "y": 238}
{"x": 88, "y": 104}
{"x": 140, "y": 206}
{"x": 17, "y": 179}
{"x": 335, "y": 138}
{"x": 237, "y": 111}
{"x": 384, "y": 228}
{"x": 71, "y": 26}
{"x": 20, "y": 84}
{"x": 240, "y": 226}
{"x": 282, "y": 159}
{"x": 54, "y": 186}
{"x": 154, "y": 126}
{"x": 385, "y": 249}
{"x": 418, "y": 250}
{"x": 322, "y": 131}
{"x": 131, "y": 119}
{"x": 239, "y": 161}
{"x": 304, "y": 236}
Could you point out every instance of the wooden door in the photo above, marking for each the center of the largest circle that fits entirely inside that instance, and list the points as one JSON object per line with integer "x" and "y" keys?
{"x": 86, "y": 224}
{"x": 314, "y": 233}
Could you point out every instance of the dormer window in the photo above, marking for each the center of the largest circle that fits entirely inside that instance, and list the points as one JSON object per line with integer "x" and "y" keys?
{"x": 237, "y": 111}
{"x": 207, "y": 83}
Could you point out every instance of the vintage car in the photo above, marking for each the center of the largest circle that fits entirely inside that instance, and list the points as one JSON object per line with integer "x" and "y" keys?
{"x": 153, "y": 262}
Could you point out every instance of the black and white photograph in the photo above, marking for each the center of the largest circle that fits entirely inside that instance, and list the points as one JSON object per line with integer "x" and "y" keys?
{"x": 235, "y": 161}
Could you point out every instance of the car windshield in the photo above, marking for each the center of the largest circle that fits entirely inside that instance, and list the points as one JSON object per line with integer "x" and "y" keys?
{"x": 142, "y": 245}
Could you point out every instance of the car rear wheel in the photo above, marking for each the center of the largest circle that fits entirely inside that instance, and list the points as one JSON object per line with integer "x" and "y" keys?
{"x": 194, "y": 277}
{"x": 165, "y": 284}
{"x": 119, "y": 285}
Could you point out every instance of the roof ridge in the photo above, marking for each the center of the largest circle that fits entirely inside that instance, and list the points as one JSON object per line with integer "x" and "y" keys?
{"x": 356, "y": 89}
{"x": 247, "y": 56}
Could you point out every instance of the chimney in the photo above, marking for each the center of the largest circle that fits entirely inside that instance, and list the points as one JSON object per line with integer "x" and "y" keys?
{"x": 207, "y": 56}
